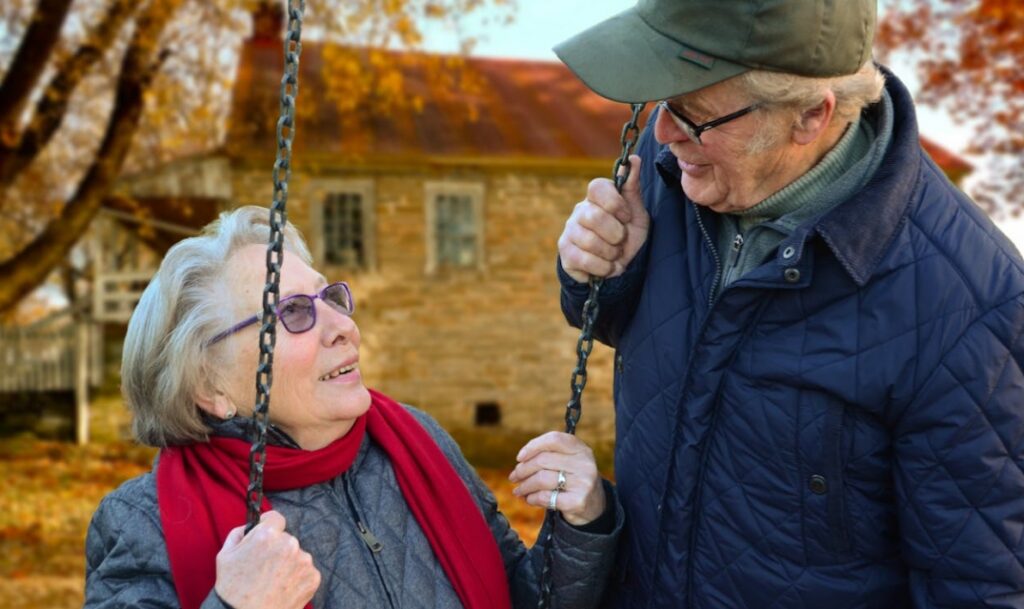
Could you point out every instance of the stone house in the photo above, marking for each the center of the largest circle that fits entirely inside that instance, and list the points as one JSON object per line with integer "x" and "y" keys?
{"x": 444, "y": 226}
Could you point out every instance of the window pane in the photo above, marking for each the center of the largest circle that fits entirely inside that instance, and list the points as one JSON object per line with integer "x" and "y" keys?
{"x": 343, "y": 229}
{"x": 455, "y": 230}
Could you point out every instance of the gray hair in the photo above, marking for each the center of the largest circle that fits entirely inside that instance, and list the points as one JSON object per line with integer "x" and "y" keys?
{"x": 796, "y": 94}
{"x": 164, "y": 363}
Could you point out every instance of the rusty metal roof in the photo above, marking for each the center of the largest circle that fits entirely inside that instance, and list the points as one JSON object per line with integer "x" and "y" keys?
{"x": 524, "y": 109}
{"x": 949, "y": 162}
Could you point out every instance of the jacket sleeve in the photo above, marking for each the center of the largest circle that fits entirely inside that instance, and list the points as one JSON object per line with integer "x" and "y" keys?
{"x": 959, "y": 475}
{"x": 616, "y": 300}
{"x": 582, "y": 561}
{"x": 126, "y": 561}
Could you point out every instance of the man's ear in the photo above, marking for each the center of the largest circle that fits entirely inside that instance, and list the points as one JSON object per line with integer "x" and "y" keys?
{"x": 216, "y": 404}
{"x": 814, "y": 121}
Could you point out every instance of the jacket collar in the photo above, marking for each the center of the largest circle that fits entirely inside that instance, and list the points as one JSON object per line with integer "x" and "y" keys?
{"x": 859, "y": 230}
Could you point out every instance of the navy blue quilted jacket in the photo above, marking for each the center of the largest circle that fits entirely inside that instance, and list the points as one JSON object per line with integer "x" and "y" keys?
{"x": 843, "y": 427}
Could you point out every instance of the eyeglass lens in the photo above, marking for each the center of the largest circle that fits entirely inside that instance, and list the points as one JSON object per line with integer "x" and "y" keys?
{"x": 298, "y": 313}
{"x": 682, "y": 122}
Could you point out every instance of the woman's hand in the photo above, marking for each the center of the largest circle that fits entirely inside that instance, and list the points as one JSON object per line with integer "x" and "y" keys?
{"x": 581, "y": 499}
{"x": 265, "y": 568}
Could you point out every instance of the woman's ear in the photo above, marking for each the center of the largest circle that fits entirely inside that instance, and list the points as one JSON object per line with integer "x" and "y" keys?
{"x": 216, "y": 404}
{"x": 814, "y": 121}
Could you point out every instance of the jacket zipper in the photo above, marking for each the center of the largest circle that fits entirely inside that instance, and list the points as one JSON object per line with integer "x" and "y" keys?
{"x": 732, "y": 263}
{"x": 706, "y": 449}
{"x": 737, "y": 245}
{"x": 714, "y": 254}
{"x": 371, "y": 541}
{"x": 660, "y": 540}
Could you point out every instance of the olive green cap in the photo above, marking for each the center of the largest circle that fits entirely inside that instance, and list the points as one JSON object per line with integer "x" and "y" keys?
{"x": 663, "y": 48}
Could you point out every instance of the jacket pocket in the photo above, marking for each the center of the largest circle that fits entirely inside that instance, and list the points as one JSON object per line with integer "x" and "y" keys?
{"x": 825, "y": 519}
{"x": 832, "y": 466}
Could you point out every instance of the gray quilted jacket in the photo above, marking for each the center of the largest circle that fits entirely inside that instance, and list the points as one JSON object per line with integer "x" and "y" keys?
{"x": 391, "y": 565}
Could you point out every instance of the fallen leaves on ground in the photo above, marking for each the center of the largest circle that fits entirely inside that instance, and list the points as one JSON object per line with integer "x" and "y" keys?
{"x": 51, "y": 490}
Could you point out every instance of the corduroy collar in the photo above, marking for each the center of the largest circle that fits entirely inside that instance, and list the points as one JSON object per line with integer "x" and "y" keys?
{"x": 859, "y": 230}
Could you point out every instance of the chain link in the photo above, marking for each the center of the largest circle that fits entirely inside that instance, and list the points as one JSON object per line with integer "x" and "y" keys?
{"x": 573, "y": 410}
{"x": 271, "y": 291}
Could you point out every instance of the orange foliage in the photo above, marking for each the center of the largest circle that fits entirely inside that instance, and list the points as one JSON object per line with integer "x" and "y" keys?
{"x": 51, "y": 489}
{"x": 186, "y": 92}
{"x": 969, "y": 55}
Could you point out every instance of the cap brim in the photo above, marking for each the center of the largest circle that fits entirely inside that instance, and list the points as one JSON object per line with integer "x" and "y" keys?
{"x": 626, "y": 60}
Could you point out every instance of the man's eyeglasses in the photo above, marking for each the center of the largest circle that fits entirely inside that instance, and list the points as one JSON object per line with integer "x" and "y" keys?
{"x": 297, "y": 313}
{"x": 692, "y": 130}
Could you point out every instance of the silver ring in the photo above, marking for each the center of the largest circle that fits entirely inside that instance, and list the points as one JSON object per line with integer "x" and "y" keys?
{"x": 553, "y": 502}
{"x": 561, "y": 480}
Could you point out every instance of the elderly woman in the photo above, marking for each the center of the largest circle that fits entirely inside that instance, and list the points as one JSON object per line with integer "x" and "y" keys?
{"x": 370, "y": 504}
{"x": 820, "y": 340}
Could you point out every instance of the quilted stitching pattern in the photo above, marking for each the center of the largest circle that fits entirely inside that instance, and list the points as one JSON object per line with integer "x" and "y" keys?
{"x": 894, "y": 371}
{"x": 127, "y": 564}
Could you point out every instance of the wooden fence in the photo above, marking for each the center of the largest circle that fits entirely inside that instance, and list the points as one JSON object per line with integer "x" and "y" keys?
{"x": 58, "y": 353}
{"x": 40, "y": 357}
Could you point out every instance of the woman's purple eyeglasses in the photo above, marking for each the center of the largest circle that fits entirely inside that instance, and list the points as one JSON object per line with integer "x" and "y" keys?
{"x": 297, "y": 313}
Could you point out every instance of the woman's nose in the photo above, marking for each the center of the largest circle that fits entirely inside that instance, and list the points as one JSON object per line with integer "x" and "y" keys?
{"x": 336, "y": 326}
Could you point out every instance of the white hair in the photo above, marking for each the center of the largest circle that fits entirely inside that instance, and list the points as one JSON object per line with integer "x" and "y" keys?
{"x": 165, "y": 363}
{"x": 795, "y": 94}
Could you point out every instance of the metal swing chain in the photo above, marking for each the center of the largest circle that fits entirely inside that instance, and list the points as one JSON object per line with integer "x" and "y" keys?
{"x": 271, "y": 291}
{"x": 573, "y": 410}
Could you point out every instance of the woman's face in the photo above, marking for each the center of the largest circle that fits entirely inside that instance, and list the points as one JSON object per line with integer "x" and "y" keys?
{"x": 722, "y": 174}
{"x": 309, "y": 399}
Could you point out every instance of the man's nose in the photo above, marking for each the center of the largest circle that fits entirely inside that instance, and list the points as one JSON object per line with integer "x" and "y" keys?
{"x": 666, "y": 131}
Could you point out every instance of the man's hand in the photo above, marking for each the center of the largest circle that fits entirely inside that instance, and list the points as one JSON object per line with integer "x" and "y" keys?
{"x": 605, "y": 230}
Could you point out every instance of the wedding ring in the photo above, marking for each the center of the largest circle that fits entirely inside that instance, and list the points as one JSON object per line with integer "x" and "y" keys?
{"x": 561, "y": 480}
{"x": 552, "y": 503}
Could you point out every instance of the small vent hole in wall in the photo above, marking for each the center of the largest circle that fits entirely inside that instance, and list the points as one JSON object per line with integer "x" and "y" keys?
{"x": 487, "y": 414}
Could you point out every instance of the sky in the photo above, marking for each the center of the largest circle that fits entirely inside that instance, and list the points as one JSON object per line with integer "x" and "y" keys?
{"x": 541, "y": 24}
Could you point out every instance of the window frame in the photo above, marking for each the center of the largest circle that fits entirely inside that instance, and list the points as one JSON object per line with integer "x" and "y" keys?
{"x": 475, "y": 191}
{"x": 365, "y": 189}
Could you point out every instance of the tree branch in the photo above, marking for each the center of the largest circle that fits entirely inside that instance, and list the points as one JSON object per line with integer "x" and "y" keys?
{"x": 27, "y": 65}
{"x": 53, "y": 104}
{"x": 30, "y": 267}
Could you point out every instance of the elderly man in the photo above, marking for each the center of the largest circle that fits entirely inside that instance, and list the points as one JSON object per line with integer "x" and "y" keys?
{"x": 818, "y": 384}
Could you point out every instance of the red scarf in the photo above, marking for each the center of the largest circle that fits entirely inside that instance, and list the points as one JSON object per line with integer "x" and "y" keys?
{"x": 201, "y": 492}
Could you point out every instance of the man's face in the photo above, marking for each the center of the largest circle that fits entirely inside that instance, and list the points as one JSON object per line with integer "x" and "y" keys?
{"x": 722, "y": 173}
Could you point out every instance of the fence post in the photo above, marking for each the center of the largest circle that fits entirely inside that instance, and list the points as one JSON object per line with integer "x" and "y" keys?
{"x": 81, "y": 381}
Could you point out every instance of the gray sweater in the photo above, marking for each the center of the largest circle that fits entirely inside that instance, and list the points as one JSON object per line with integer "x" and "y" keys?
{"x": 127, "y": 564}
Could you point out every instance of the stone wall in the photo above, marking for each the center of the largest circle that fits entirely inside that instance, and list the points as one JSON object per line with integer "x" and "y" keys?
{"x": 458, "y": 338}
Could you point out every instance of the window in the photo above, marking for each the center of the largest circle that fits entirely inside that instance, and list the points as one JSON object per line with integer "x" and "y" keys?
{"x": 454, "y": 225}
{"x": 343, "y": 229}
{"x": 456, "y": 230}
{"x": 344, "y": 218}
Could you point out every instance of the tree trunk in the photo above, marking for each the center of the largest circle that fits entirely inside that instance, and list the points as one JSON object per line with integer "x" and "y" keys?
{"x": 27, "y": 65}
{"x": 29, "y": 268}
{"x": 17, "y": 153}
